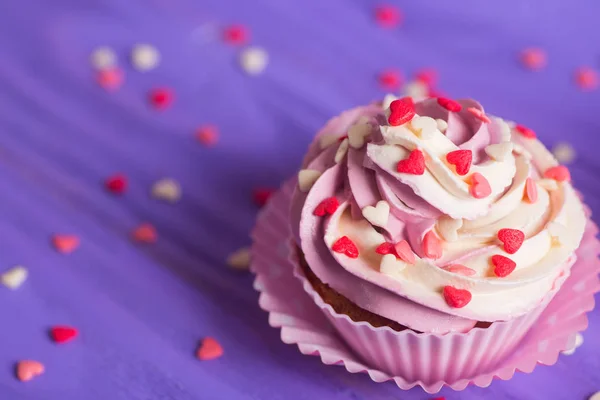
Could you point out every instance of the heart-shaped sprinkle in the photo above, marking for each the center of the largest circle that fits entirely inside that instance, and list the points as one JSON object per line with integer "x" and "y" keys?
{"x": 166, "y": 189}
{"x": 416, "y": 90}
{"x": 342, "y": 150}
{"x": 239, "y": 259}
{"x": 456, "y": 298}
{"x": 448, "y": 228}
{"x": 145, "y": 57}
{"x": 307, "y": 178}
{"x": 388, "y": 16}
{"x": 525, "y": 132}
{"x": 404, "y": 252}
{"x": 65, "y": 244}
{"x": 499, "y": 151}
{"x": 480, "y": 115}
{"x": 442, "y": 125}
{"x": 63, "y": 334}
{"x": 385, "y": 248}
{"x": 587, "y": 78}
{"x": 236, "y": 34}
{"x": 390, "y": 265}
{"x": 357, "y": 135}
{"x": 459, "y": 270}
{"x": 428, "y": 76}
{"x": 103, "y": 58}
{"x": 512, "y": 239}
{"x": 327, "y": 206}
{"x": 145, "y": 233}
{"x": 449, "y": 104}
{"x": 29, "y": 369}
{"x": 208, "y": 135}
{"x": 432, "y": 246}
{"x": 401, "y": 111}
{"x": 425, "y": 127}
{"x": 262, "y": 195}
{"x": 117, "y": 183}
{"x": 414, "y": 164}
{"x": 390, "y": 79}
{"x": 345, "y": 246}
{"x": 559, "y": 173}
{"x": 110, "y": 78}
{"x": 209, "y": 349}
{"x": 161, "y": 98}
{"x": 461, "y": 159}
{"x": 377, "y": 215}
{"x": 503, "y": 266}
{"x": 533, "y": 58}
{"x": 14, "y": 277}
{"x": 480, "y": 187}
{"x": 531, "y": 193}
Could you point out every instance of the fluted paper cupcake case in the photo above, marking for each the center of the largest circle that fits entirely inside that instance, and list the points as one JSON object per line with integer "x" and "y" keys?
{"x": 410, "y": 359}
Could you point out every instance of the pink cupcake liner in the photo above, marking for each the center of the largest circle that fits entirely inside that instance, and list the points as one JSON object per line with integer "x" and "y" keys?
{"x": 410, "y": 359}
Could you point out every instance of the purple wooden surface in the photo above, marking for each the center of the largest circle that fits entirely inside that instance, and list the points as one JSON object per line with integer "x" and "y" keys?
{"x": 141, "y": 309}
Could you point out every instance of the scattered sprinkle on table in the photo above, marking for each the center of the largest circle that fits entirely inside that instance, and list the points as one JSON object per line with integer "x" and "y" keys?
{"x": 161, "y": 98}
{"x": 103, "y": 58}
{"x": 110, "y": 78}
{"x": 236, "y": 34}
{"x": 533, "y": 58}
{"x": 65, "y": 244}
{"x": 254, "y": 60}
{"x": 587, "y": 78}
{"x": 167, "y": 189}
{"x": 564, "y": 153}
{"x": 26, "y": 370}
{"x": 390, "y": 79}
{"x": 144, "y": 57}
{"x": 145, "y": 233}
{"x": 116, "y": 184}
{"x": 208, "y": 135}
{"x": 209, "y": 349}
{"x": 14, "y": 277}
{"x": 63, "y": 333}
{"x": 262, "y": 195}
{"x": 239, "y": 259}
{"x": 388, "y": 16}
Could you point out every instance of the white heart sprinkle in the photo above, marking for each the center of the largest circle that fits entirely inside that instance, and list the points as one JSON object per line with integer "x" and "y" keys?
{"x": 499, "y": 151}
{"x": 558, "y": 232}
{"x": 341, "y": 151}
{"x": 390, "y": 265}
{"x": 564, "y": 153}
{"x": 377, "y": 215}
{"x": 167, "y": 189}
{"x": 307, "y": 178}
{"x": 578, "y": 342}
{"x": 518, "y": 149}
{"x": 239, "y": 259}
{"x": 417, "y": 90}
{"x": 548, "y": 184}
{"x": 254, "y": 60}
{"x": 14, "y": 277}
{"x": 145, "y": 57}
{"x": 505, "y": 132}
{"x": 441, "y": 125}
{"x": 542, "y": 346}
{"x": 103, "y": 58}
{"x": 448, "y": 228}
{"x": 328, "y": 139}
{"x": 425, "y": 127}
{"x": 387, "y": 100}
{"x": 357, "y": 134}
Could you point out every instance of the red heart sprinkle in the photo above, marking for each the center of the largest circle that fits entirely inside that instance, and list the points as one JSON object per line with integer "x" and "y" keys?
{"x": 161, "y": 98}
{"x": 503, "y": 266}
{"x": 390, "y": 79}
{"x": 388, "y": 16}
{"x": 208, "y": 135}
{"x": 480, "y": 115}
{"x": 414, "y": 164}
{"x": 327, "y": 206}
{"x": 459, "y": 269}
{"x": 404, "y": 252}
{"x": 427, "y": 76}
{"x": 533, "y": 58}
{"x": 63, "y": 334}
{"x": 525, "y": 132}
{"x": 587, "y": 78}
{"x": 65, "y": 243}
{"x": 209, "y": 349}
{"x": 345, "y": 246}
{"x": 432, "y": 246}
{"x": 559, "y": 173}
{"x": 456, "y": 298}
{"x": 512, "y": 239}
{"x": 530, "y": 190}
{"x": 385, "y": 248}
{"x": 145, "y": 233}
{"x": 262, "y": 195}
{"x": 401, "y": 111}
{"x": 449, "y": 104}
{"x": 480, "y": 187}
{"x": 236, "y": 34}
{"x": 461, "y": 159}
{"x": 116, "y": 183}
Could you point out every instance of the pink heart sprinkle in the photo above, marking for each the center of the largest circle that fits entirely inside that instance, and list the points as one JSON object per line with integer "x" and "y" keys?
{"x": 480, "y": 187}
{"x": 432, "y": 246}
{"x": 29, "y": 369}
{"x": 404, "y": 252}
{"x": 534, "y": 58}
{"x": 65, "y": 244}
{"x": 480, "y": 115}
{"x": 209, "y": 349}
{"x": 587, "y": 78}
{"x": 390, "y": 79}
{"x": 531, "y": 191}
{"x": 559, "y": 173}
{"x": 459, "y": 270}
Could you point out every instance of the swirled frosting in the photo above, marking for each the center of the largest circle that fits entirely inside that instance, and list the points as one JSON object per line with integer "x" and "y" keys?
{"x": 437, "y": 217}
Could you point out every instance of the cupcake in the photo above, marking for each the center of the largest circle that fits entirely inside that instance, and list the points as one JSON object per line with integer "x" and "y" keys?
{"x": 432, "y": 235}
